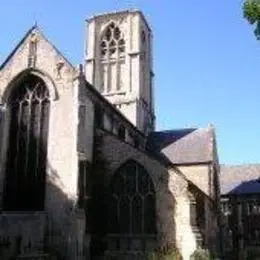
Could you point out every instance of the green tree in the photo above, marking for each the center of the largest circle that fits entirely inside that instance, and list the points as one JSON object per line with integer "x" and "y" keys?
{"x": 251, "y": 12}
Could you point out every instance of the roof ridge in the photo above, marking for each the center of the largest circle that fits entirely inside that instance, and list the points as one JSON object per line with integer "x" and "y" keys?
{"x": 175, "y": 129}
{"x": 240, "y": 165}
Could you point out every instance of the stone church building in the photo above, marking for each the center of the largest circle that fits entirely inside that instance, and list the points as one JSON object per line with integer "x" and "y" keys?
{"x": 84, "y": 174}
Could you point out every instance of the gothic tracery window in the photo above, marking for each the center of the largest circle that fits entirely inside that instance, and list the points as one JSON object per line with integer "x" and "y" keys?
{"x": 28, "y": 107}
{"x": 132, "y": 209}
{"x": 112, "y": 59}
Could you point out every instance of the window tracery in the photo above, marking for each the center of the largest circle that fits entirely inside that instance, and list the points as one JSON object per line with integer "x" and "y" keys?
{"x": 112, "y": 59}
{"x": 28, "y": 106}
{"x": 132, "y": 208}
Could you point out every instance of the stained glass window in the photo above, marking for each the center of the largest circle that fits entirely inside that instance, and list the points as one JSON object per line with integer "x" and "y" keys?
{"x": 132, "y": 207}
{"x": 29, "y": 106}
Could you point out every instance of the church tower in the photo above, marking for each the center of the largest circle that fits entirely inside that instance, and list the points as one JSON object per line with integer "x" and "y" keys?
{"x": 118, "y": 63}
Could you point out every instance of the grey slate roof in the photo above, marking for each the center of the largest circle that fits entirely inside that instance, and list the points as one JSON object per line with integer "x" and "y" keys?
{"x": 240, "y": 179}
{"x": 183, "y": 146}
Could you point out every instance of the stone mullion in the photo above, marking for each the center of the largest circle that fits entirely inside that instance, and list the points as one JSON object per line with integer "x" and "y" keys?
{"x": 22, "y": 155}
{"x": 102, "y": 79}
{"x": 3, "y": 148}
{"x": 143, "y": 215}
{"x": 37, "y": 136}
{"x": 118, "y": 214}
{"x": 131, "y": 213}
{"x": 17, "y": 139}
{"x": 107, "y": 77}
{"x": 143, "y": 200}
{"x": 43, "y": 125}
{"x": 28, "y": 128}
{"x": 117, "y": 85}
{"x": 108, "y": 72}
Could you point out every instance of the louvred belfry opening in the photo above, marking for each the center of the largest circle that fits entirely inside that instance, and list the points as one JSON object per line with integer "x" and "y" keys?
{"x": 28, "y": 108}
{"x": 112, "y": 59}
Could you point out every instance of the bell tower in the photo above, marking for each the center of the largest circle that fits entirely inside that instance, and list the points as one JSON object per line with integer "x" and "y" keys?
{"x": 118, "y": 63}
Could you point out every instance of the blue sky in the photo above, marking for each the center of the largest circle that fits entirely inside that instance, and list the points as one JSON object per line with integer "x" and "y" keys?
{"x": 206, "y": 61}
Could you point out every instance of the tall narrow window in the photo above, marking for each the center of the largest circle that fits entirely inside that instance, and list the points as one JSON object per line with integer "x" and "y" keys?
{"x": 81, "y": 182}
{"x": 32, "y": 51}
{"x": 121, "y": 132}
{"x": 112, "y": 59}
{"x": 29, "y": 105}
{"x": 193, "y": 210}
{"x": 99, "y": 117}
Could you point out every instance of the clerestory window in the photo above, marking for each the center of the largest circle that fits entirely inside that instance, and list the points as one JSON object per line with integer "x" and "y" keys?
{"x": 28, "y": 109}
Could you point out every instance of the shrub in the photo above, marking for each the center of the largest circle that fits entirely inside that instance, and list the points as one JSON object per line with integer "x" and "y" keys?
{"x": 168, "y": 252}
{"x": 201, "y": 254}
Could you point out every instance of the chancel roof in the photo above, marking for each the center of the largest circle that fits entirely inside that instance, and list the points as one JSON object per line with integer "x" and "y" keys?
{"x": 183, "y": 146}
{"x": 240, "y": 179}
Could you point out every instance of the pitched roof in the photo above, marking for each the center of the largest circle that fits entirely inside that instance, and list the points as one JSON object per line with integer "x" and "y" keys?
{"x": 183, "y": 146}
{"x": 240, "y": 179}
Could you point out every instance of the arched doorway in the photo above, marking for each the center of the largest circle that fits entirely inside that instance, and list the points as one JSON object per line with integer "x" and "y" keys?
{"x": 25, "y": 170}
{"x": 132, "y": 211}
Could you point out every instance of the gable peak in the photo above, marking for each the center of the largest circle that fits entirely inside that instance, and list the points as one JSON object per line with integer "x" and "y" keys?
{"x": 34, "y": 34}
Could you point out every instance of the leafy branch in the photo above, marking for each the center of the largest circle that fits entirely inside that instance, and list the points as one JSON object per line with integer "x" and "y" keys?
{"x": 251, "y": 12}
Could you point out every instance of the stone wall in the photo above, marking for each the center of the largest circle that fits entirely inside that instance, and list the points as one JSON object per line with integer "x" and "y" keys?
{"x": 198, "y": 174}
{"x": 86, "y": 114}
{"x": 58, "y": 74}
{"x": 62, "y": 156}
{"x": 201, "y": 176}
{"x": 172, "y": 202}
{"x": 21, "y": 233}
{"x": 185, "y": 238}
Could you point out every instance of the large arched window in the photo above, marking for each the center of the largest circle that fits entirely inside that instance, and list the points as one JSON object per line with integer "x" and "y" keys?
{"x": 28, "y": 108}
{"x": 112, "y": 59}
{"x": 132, "y": 210}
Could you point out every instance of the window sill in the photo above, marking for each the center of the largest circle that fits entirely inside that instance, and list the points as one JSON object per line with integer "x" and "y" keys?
{"x": 107, "y": 94}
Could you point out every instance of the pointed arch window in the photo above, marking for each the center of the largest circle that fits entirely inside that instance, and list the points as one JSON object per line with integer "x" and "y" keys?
{"x": 28, "y": 107}
{"x": 132, "y": 211}
{"x": 112, "y": 59}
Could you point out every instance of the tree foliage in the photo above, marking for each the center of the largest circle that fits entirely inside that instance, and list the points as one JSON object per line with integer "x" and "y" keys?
{"x": 251, "y": 11}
